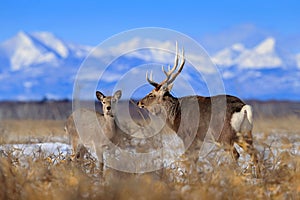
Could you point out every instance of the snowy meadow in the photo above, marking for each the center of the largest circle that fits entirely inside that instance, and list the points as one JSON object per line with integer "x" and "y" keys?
{"x": 36, "y": 166}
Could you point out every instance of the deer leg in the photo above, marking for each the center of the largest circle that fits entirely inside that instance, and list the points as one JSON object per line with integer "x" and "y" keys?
{"x": 234, "y": 153}
{"x": 81, "y": 152}
{"x": 246, "y": 143}
{"x": 74, "y": 144}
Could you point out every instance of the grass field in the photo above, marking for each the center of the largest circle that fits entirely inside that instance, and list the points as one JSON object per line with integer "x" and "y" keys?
{"x": 56, "y": 176}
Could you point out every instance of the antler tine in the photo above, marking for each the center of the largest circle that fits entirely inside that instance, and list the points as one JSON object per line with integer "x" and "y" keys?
{"x": 163, "y": 69}
{"x": 170, "y": 70}
{"x": 180, "y": 68}
{"x": 170, "y": 76}
{"x": 151, "y": 79}
{"x": 182, "y": 61}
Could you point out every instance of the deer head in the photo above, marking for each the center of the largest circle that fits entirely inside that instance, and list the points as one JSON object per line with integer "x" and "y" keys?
{"x": 160, "y": 97}
{"x": 108, "y": 101}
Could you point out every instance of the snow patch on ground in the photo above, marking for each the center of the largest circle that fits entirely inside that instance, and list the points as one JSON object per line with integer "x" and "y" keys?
{"x": 270, "y": 147}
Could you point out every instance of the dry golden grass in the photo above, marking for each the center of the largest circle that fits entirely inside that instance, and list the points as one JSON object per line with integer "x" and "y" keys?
{"x": 41, "y": 178}
{"x": 25, "y": 131}
{"x": 16, "y": 131}
{"x": 289, "y": 124}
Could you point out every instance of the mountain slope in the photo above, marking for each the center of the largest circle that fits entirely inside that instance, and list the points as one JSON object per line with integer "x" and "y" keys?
{"x": 261, "y": 56}
{"x": 40, "y": 65}
{"x": 259, "y": 72}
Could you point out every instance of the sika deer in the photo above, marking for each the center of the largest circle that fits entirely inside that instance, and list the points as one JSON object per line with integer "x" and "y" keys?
{"x": 95, "y": 129}
{"x": 227, "y": 118}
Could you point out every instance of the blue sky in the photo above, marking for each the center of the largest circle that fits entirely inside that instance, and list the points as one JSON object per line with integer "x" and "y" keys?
{"x": 90, "y": 22}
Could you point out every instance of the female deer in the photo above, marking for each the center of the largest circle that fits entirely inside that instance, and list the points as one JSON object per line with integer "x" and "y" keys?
{"x": 87, "y": 127}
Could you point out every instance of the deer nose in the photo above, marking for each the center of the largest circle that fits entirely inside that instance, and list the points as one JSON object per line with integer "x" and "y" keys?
{"x": 108, "y": 107}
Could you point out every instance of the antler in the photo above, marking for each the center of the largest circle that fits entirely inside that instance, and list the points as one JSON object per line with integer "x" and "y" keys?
{"x": 170, "y": 76}
{"x": 169, "y": 80}
{"x": 151, "y": 79}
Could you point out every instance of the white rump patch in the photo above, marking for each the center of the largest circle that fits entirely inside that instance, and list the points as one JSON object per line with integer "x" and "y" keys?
{"x": 242, "y": 121}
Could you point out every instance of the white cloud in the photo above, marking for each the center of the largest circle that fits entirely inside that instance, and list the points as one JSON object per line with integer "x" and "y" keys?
{"x": 28, "y": 84}
{"x": 297, "y": 57}
{"x": 202, "y": 63}
{"x": 111, "y": 77}
{"x": 87, "y": 76}
{"x": 228, "y": 75}
{"x": 228, "y": 56}
{"x": 156, "y": 51}
{"x": 136, "y": 45}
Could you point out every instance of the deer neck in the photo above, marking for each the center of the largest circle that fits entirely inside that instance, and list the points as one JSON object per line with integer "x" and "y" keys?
{"x": 109, "y": 125}
{"x": 172, "y": 107}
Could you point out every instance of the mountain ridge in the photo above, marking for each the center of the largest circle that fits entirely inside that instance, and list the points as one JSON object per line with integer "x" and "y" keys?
{"x": 45, "y": 66}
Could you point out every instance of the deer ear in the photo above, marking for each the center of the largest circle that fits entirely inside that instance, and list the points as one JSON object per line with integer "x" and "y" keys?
{"x": 118, "y": 94}
{"x": 100, "y": 96}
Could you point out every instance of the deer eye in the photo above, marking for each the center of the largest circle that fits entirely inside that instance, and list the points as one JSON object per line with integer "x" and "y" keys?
{"x": 151, "y": 95}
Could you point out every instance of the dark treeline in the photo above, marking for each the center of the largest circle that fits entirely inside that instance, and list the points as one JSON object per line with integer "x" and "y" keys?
{"x": 275, "y": 108}
{"x": 60, "y": 110}
{"x": 57, "y": 110}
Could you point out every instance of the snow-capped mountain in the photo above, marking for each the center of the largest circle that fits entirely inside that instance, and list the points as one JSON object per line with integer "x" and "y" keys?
{"x": 24, "y": 50}
{"x": 38, "y": 65}
{"x": 263, "y": 55}
{"x": 260, "y": 71}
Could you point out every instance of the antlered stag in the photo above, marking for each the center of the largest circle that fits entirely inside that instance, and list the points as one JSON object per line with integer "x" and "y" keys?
{"x": 226, "y": 118}
{"x": 94, "y": 128}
